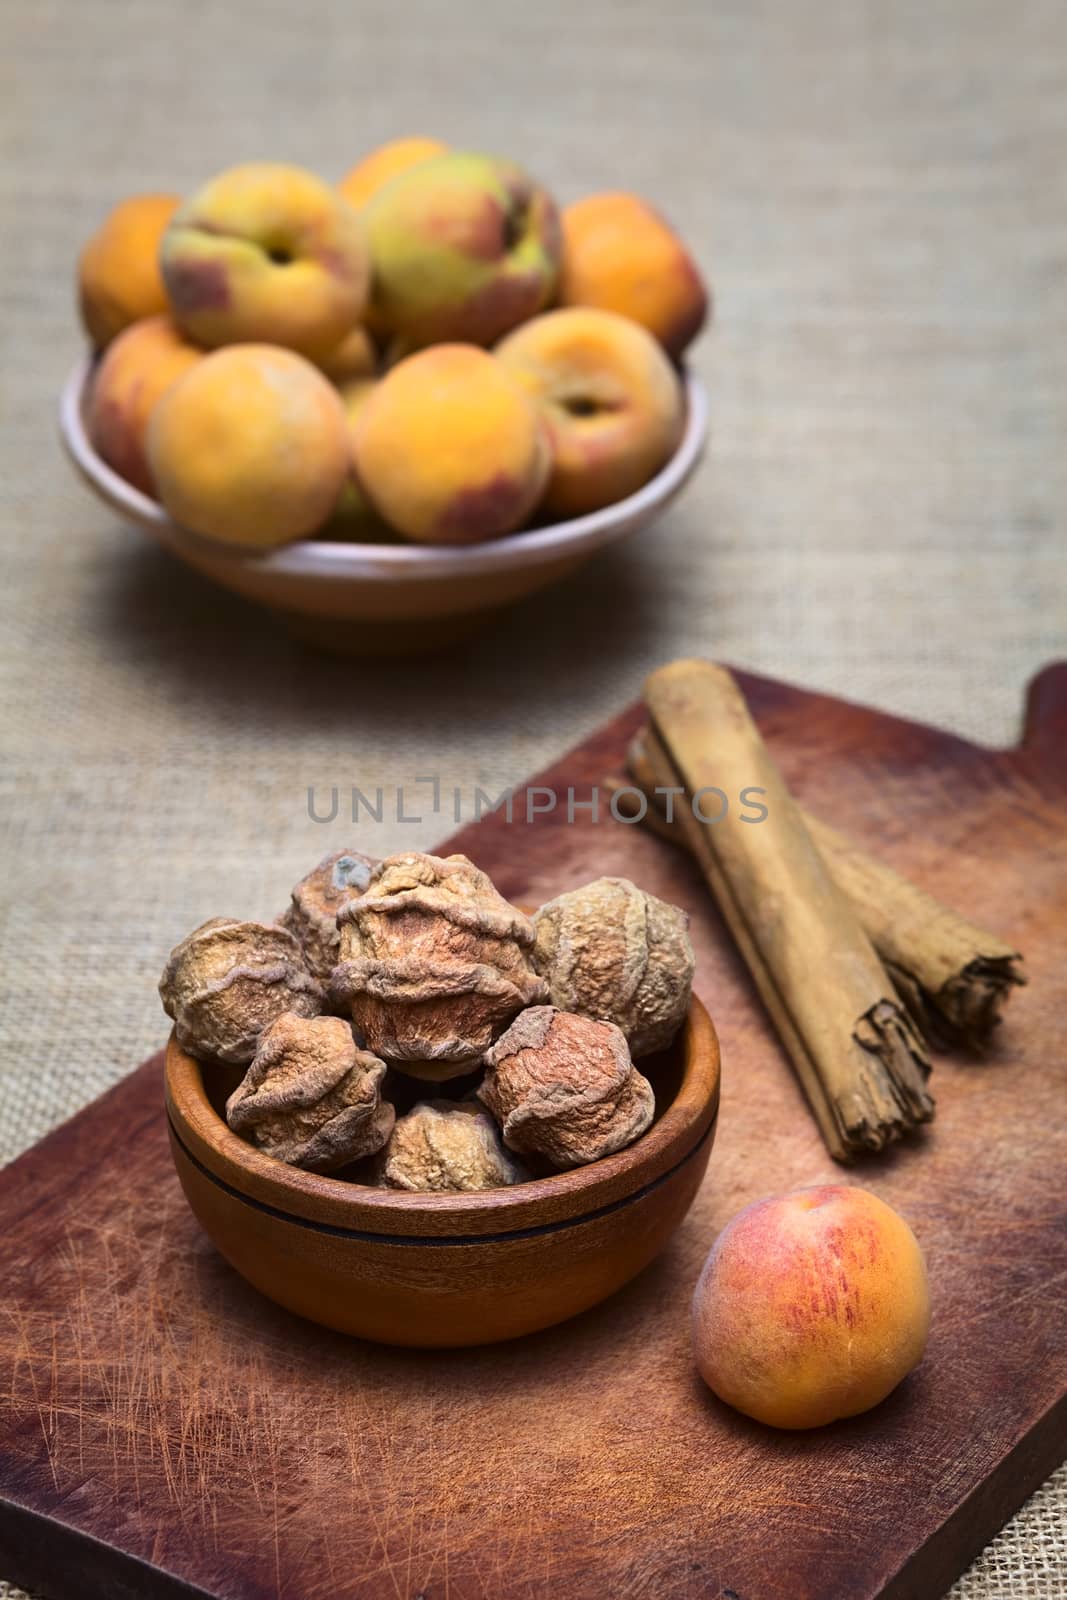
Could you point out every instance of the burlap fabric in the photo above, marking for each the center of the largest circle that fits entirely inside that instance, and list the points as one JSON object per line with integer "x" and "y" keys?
{"x": 879, "y": 195}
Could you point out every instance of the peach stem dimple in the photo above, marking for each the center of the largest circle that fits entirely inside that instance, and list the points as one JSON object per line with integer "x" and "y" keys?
{"x": 514, "y": 229}
{"x": 581, "y": 405}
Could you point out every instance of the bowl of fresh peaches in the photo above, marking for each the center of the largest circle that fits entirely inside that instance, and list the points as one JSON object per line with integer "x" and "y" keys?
{"x": 388, "y": 407}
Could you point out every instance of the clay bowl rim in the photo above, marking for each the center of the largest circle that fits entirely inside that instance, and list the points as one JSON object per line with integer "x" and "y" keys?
{"x": 395, "y": 563}
{"x": 677, "y": 1136}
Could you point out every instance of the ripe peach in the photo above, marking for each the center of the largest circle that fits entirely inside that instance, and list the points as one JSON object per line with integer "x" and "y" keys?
{"x": 811, "y": 1306}
{"x": 250, "y": 447}
{"x": 464, "y": 247}
{"x": 136, "y": 371}
{"x": 355, "y": 357}
{"x": 449, "y": 448}
{"x": 119, "y": 280}
{"x": 354, "y": 517}
{"x": 267, "y": 253}
{"x": 388, "y": 161}
{"x": 611, "y": 399}
{"x": 619, "y": 254}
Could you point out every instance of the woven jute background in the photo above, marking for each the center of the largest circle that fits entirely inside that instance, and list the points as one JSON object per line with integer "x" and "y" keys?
{"x": 879, "y": 194}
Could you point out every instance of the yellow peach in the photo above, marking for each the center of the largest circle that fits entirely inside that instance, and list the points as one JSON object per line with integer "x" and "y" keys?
{"x": 620, "y": 254}
{"x": 267, "y": 253}
{"x": 375, "y": 170}
{"x": 355, "y": 357}
{"x": 449, "y": 448}
{"x": 250, "y": 447}
{"x": 811, "y": 1306}
{"x": 354, "y": 517}
{"x": 119, "y": 281}
{"x": 611, "y": 399}
{"x": 137, "y": 370}
{"x": 355, "y": 392}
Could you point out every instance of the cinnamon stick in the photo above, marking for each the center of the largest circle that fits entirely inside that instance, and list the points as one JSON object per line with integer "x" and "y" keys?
{"x": 954, "y": 977}
{"x": 857, "y": 1053}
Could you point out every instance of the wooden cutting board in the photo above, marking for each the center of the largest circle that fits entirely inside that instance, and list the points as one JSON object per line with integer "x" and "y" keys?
{"x": 166, "y": 1432}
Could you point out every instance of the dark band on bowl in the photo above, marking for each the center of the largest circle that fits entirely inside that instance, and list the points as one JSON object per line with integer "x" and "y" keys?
{"x": 370, "y": 1237}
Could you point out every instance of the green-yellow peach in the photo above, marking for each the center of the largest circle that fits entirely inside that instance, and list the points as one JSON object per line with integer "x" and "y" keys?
{"x": 464, "y": 247}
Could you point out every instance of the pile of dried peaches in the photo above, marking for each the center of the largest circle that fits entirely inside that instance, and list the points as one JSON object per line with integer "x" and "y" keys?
{"x": 403, "y": 1025}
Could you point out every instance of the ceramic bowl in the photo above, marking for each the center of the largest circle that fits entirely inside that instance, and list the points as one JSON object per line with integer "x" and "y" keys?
{"x": 447, "y": 1269}
{"x": 393, "y": 598}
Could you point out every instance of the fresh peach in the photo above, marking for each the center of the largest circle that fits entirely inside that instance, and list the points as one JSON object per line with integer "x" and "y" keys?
{"x": 354, "y": 518}
{"x": 267, "y": 253}
{"x": 137, "y": 370}
{"x": 610, "y": 397}
{"x": 353, "y": 368}
{"x": 355, "y": 357}
{"x": 250, "y": 447}
{"x": 811, "y": 1306}
{"x": 387, "y": 162}
{"x": 620, "y": 254}
{"x": 450, "y": 449}
{"x": 355, "y": 392}
{"x": 119, "y": 280}
{"x": 464, "y": 248}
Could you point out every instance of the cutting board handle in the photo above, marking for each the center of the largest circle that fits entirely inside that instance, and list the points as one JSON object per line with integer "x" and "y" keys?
{"x": 1045, "y": 719}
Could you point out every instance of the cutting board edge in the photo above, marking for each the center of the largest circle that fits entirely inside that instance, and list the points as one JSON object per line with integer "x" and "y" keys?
{"x": 70, "y": 1132}
{"x": 54, "y": 1559}
{"x": 954, "y": 1547}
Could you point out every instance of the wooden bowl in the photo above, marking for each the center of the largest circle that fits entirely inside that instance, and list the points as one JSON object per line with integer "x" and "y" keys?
{"x": 391, "y": 598}
{"x": 447, "y": 1269}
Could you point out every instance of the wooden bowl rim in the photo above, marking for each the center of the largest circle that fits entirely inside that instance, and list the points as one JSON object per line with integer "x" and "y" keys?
{"x": 319, "y": 558}
{"x": 291, "y": 1194}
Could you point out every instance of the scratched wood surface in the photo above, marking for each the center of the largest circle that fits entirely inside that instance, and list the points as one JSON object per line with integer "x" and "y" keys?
{"x": 166, "y": 1432}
